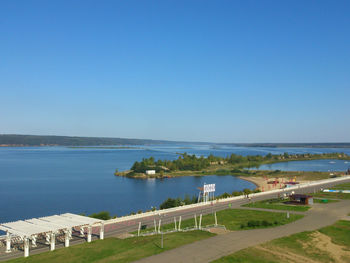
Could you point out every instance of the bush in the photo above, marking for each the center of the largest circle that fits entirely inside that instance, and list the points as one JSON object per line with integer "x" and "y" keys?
{"x": 253, "y": 223}
{"x": 224, "y": 195}
{"x": 237, "y": 193}
{"x": 266, "y": 223}
{"x": 104, "y": 215}
{"x": 171, "y": 202}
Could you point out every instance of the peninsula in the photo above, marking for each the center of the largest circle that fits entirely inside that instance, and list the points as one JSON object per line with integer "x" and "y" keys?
{"x": 191, "y": 165}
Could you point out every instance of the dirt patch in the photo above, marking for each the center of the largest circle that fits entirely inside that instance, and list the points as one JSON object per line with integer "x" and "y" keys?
{"x": 286, "y": 256}
{"x": 324, "y": 243}
{"x": 218, "y": 231}
{"x": 124, "y": 235}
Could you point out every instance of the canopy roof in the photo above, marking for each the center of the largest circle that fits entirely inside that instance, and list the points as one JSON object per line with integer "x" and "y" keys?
{"x": 48, "y": 224}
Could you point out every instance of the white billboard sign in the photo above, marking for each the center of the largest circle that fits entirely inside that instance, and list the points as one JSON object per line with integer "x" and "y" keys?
{"x": 209, "y": 188}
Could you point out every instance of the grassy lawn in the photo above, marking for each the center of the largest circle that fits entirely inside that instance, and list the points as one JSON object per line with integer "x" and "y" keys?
{"x": 116, "y": 250}
{"x": 332, "y": 195}
{"x": 328, "y": 244}
{"x": 316, "y": 200}
{"x": 233, "y": 219}
{"x": 278, "y": 205}
{"x": 345, "y": 186}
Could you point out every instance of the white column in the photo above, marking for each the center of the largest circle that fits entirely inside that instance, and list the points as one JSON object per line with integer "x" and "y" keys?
{"x": 34, "y": 241}
{"x": 89, "y": 234}
{"x": 82, "y": 234}
{"x": 8, "y": 242}
{"x": 26, "y": 247}
{"x": 175, "y": 223}
{"x": 52, "y": 242}
{"x": 195, "y": 221}
{"x": 200, "y": 221}
{"x": 155, "y": 225}
{"x": 66, "y": 238}
{"x": 139, "y": 229}
{"x": 216, "y": 219}
{"x": 179, "y": 228}
{"x": 47, "y": 239}
{"x": 160, "y": 222}
{"x": 102, "y": 231}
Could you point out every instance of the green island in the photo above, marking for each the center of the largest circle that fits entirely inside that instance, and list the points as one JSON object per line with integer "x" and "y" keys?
{"x": 191, "y": 165}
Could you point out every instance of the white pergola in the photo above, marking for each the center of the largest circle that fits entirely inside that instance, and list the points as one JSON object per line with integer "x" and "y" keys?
{"x": 49, "y": 226}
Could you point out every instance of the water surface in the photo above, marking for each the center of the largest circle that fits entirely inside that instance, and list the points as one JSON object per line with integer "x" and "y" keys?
{"x": 41, "y": 181}
{"x": 313, "y": 165}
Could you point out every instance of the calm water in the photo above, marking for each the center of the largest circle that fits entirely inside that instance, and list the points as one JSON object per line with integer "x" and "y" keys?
{"x": 314, "y": 165}
{"x": 49, "y": 180}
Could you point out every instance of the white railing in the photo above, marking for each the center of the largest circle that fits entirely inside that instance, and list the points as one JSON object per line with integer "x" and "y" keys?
{"x": 223, "y": 200}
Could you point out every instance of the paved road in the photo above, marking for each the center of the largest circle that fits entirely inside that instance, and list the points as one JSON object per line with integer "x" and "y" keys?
{"x": 213, "y": 248}
{"x": 132, "y": 225}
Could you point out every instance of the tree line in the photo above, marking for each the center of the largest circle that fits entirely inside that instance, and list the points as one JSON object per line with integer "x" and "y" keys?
{"x": 186, "y": 162}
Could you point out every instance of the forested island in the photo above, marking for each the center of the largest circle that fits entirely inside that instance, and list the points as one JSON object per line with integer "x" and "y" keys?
{"x": 234, "y": 164}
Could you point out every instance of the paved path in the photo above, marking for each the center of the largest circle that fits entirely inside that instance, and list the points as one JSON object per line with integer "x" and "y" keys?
{"x": 213, "y": 248}
{"x": 272, "y": 210}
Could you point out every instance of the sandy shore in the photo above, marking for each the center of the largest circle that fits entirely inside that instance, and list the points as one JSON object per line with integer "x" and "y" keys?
{"x": 262, "y": 185}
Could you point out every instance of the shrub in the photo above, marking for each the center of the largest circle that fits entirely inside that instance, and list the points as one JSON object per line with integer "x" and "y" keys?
{"x": 104, "y": 215}
{"x": 253, "y": 223}
{"x": 266, "y": 223}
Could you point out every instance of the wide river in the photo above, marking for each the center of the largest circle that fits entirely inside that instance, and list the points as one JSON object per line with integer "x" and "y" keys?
{"x": 41, "y": 181}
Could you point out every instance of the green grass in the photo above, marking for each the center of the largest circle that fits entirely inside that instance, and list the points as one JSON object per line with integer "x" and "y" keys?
{"x": 232, "y": 219}
{"x": 319, "y": 201}
{"x": 339, "y": 232}
{"x": 116, "y": 250}
{"x": 332, "y": 195}
{"x": 345, "y": 186}
{"x": 278, "y": 205}
{"x": 300, "y": 244}
{"x": 249, "y": 255}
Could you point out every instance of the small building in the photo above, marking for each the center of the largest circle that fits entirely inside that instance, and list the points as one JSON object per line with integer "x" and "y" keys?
{"x": 149, "y": 172}
{"x": 302, "y": 199}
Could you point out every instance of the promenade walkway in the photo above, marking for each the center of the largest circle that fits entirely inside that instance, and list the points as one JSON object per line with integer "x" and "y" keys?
{"x": 221, "y": 245}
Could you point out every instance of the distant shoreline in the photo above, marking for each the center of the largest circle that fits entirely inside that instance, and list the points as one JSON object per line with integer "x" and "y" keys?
{"x": 19, "y": 140}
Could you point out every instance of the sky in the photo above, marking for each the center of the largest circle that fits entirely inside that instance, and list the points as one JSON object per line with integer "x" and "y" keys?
{"x": 216, "y": 71}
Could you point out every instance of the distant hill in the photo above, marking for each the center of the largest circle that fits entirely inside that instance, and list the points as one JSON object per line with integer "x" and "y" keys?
{"x": 41, "y": 140}
{"x": 50, "y": 140}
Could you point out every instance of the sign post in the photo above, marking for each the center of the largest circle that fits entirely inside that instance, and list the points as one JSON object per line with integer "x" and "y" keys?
{"x": 207, "y": 189}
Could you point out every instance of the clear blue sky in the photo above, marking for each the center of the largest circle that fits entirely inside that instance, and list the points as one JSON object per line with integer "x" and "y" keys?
{"x": 220, "y": 71}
